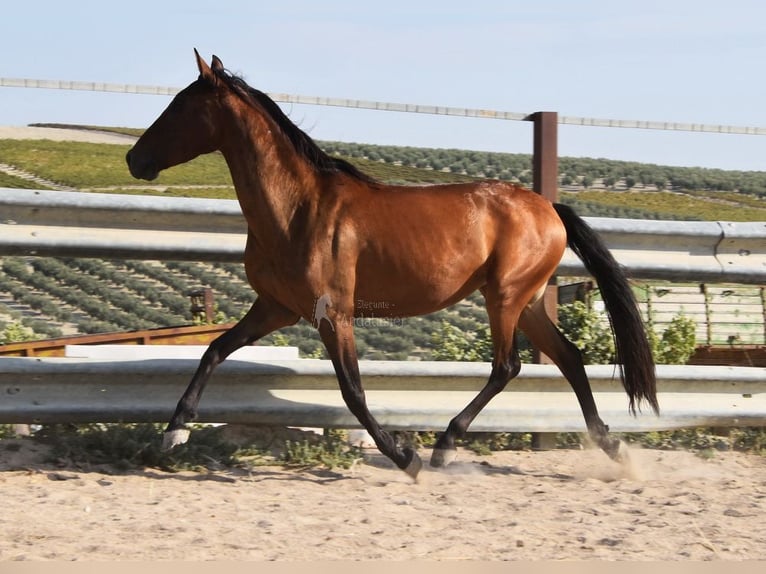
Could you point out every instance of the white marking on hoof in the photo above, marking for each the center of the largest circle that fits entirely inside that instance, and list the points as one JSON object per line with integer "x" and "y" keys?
{"x": 174, "y": 438}
{"x": 443, "y": 456}
{"x": 414, "y": 467}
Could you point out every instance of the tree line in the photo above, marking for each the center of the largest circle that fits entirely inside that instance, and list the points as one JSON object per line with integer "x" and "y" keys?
{"x": 573, "y": 171}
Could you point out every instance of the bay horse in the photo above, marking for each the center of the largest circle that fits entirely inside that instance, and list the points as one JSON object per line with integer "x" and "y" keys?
{"x": 328, "y": 244}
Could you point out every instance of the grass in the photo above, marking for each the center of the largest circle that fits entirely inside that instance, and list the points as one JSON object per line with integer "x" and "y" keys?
{"x": 401, "y": 174}
{"x": 707, "y": 207}
{"x": 88, "y": 165}
{"x": 80, "y": 164}
{"x": 330, "y": 452}
{"x": 128, "y": 447}
{"x": 102, "y": 167}
{"x": 197, "y": 192}
{"x": 17, "y": 182}
{"x": 703, "y": 441}
{"x": 131, "y": 446}
{"x": 730, "y": 196}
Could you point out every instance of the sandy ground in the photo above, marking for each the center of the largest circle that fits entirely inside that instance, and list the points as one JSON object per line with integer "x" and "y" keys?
{"x": 564, "y": 504}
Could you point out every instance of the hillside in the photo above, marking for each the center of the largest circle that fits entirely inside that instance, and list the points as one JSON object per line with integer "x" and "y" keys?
{"x": 65, "y": 296}
{"x": 594, "y": 187}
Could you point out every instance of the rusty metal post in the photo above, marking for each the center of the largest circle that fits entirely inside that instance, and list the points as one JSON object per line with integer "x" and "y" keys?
{"x": 545, "y": 174}
{"x": 202, "y": 304}
{"x": 545, "y": 159}
{"x": 545, "y": 181}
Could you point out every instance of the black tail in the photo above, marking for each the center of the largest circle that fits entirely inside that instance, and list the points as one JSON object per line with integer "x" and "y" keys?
{"x": 632, "y": 347}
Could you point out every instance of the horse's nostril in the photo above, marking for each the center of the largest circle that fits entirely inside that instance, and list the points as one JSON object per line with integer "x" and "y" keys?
{"x": 127, "y": 156}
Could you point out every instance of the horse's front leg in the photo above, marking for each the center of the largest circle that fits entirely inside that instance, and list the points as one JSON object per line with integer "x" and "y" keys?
{"x": 338, "y": 337}
{"x": 263, "y": 317}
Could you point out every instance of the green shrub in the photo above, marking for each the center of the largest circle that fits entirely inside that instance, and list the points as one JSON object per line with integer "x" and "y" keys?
{"x": 593, "y": 337}
{"x": 330, "y": 452}
{"x": 7, "y": 431}
{"x": 16, "y": 333}
{"x": 135, "y": 446}
{"x": 703, "y": 440}
{"x": 584, "y": 328}
{"x": 677, "y": 343}
{"x": 450, "y": 343}
{"x": 130, "y": 446}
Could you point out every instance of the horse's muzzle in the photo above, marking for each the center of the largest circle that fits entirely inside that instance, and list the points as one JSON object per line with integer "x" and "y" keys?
{"x": 141, "y": 168}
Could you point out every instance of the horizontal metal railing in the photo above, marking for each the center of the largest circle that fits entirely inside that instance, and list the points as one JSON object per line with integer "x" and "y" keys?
{"x": 402, "y": 395}
{"x": 390, "y": 107}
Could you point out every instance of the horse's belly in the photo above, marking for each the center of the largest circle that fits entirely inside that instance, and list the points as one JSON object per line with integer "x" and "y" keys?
{"x": 405, "y": 295}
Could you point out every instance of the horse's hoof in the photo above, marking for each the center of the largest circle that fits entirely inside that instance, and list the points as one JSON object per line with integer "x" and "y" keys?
{"x": 617, "y": 450}
{"x": 174, "y": 437}
{"x": 441, "y": 457}
{"x": 413, "y": 467}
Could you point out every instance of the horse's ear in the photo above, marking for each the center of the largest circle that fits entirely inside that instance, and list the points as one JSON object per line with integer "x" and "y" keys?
{"x": 216, "y": 64}
{"x": 204, "y": 69}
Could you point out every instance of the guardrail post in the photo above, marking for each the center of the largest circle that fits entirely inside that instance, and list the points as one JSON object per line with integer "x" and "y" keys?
{"x": 763, "y": 308}
{"x": 202, "y": 304}
{"x": 545, "y": 173}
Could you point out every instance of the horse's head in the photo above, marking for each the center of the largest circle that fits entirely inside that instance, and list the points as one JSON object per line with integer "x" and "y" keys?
{"x": 187, "y": 128}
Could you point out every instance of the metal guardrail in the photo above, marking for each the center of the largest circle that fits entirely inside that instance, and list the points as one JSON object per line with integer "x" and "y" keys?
{"x": 56, "y": 223}
{"x": 682, "y": 250}
{"x": 37, "y": 222}
{"x": 304, "y": 392}
{"x": 400, "y": 394}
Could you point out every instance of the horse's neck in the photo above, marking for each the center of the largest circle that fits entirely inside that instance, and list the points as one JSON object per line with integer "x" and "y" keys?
{"x": 271, "y": 180}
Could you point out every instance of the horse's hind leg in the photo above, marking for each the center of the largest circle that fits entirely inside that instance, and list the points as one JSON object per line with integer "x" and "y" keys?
{"x": 548, "y": 339}
{"x": 263, "y": 317}
{"x": 505, "y": 366}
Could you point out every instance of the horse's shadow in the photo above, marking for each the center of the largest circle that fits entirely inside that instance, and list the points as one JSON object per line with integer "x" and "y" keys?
{"x": 466, "y": 468}
{"x": 37, "y": 460}
{"x": 260, "y": 474}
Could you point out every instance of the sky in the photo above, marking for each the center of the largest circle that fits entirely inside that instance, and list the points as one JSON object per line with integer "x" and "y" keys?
{"x": 695, "y": 61}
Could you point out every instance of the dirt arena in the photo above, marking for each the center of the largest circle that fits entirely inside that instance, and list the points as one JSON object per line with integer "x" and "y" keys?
{"x": 563, "y": 504}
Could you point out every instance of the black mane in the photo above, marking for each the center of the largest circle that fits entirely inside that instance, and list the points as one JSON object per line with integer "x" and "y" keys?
{"x": 303, "y": 144}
